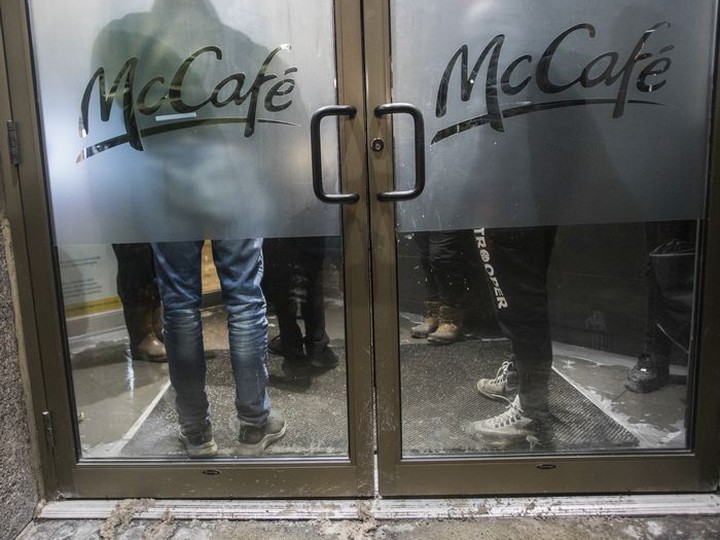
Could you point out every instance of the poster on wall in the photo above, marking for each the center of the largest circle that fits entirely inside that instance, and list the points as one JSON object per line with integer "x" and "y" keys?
{"x": 88, "y": 280}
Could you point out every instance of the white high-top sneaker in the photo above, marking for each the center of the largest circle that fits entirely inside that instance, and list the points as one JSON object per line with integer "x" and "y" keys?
{"x": 504, "y": 383}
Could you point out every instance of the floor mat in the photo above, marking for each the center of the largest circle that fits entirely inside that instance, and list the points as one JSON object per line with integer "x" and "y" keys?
{"x": 312, "y": 399}
{"x": 439, "y": 400}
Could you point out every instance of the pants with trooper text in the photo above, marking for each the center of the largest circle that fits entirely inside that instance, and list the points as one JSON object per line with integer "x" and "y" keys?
{"x": 516, "y": 261}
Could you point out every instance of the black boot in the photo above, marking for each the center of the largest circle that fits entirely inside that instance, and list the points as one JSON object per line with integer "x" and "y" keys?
{"x": 649, "y": 374}
{"x": 293, "y": 351}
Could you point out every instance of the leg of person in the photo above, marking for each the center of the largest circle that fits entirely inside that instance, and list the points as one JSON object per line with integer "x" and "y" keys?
{"x": 430, "y": 320}
{"x": 240, "y": 268}
{"x": 652, "y": 370}
{"x": 516, "y": 261}
{"x": 140, "y": 300}
{"x": 479, "y": 314}
{"x": 670, "y": 281}
{"x": 178, "y": 272}
{"x": 311, "y": 259}
{"x": 448, "y": 249}
{"x": 280, "y": 255}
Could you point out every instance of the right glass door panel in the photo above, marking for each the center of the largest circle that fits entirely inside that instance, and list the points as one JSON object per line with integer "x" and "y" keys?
{"x": 547, "y": 275}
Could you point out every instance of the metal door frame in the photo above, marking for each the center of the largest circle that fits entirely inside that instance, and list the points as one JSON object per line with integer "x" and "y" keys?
{"x": 43, "y": 340}
{"x": 65, "y": 476}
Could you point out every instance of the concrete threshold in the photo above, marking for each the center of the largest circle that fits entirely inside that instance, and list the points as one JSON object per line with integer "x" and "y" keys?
{"x": 390, "y": 509}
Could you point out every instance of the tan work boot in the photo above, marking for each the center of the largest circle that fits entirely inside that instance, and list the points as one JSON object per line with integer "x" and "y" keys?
{"x": 150, "y": 349}
{"x": 430, "y": 322}
{"x": 157, "y": 323}
{"x": 449, "y": 329}
{"x": 144, "y": 344}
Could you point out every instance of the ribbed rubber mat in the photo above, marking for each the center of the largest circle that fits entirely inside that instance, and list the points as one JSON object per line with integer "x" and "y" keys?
{"x": 439, "y": 400}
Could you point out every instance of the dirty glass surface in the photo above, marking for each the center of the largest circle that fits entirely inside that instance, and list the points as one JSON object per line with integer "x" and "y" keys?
{"x": 167, "y": 124}
{"x": 560, "y": 113}
{"x": 163, "y": 120}
{"x": 547, "y": 274}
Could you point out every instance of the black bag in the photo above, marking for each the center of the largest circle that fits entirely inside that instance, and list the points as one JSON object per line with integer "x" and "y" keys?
{"x": 673, "y": 271}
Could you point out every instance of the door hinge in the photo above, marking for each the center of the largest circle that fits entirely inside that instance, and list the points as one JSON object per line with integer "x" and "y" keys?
{"x": 48, "y": 428}
{"x": 13, "y": 144}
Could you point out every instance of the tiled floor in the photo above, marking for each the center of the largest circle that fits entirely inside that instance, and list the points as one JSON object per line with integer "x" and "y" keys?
{"x": 569, "y": 528}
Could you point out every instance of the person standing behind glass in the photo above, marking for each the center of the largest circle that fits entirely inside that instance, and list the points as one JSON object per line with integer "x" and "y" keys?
{"x": 457, "y": 298}
{"x": 239, "y": 265}
{"x": 184, "y": 53}
{"x": 516, "y": 262}
{"x": 294, "y": 277}
{"x": 670, "y": 276}
{"x": 140, "y": 299}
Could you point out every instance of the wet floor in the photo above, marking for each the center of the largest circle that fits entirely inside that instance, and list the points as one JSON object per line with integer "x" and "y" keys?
{"x": 117, "y": 397}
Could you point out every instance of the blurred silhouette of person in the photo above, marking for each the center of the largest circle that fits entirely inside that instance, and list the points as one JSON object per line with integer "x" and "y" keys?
{"x": 140, "y": 299}
{"x": 294, "y": 279}
{"x": 670, "y": 281}
{"x": 561, "y": 183}
{"x": 182, "y": 53}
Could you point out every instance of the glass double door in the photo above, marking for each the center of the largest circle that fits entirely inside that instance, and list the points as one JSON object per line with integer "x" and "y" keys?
{"x": 466, "y": 239}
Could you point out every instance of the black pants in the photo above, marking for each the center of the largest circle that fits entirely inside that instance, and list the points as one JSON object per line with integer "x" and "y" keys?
{"x": 449, "y": 260}
{"x": 670, "y": 280}
{"x": 138, "y": 291}
{"x": 294, "y": 276}
{"x": 516, "y": 262}
{"x": 136, "y": 285}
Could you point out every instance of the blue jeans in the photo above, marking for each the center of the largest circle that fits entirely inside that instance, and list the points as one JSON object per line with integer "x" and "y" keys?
{"x": 239, "y": 265}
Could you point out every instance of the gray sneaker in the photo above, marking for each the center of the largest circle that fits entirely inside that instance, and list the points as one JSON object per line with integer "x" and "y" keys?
{"x": 256, "y": 439}
{"x": 199, "y": 444}
{"x": 512, "y": 427}
{"x": 504, "y": 383}
{"x": 511, "y": 423}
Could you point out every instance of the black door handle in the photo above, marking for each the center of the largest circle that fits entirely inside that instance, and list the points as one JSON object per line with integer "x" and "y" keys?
{"x": 316, "y": 152}
{"x": 406, "y": 108}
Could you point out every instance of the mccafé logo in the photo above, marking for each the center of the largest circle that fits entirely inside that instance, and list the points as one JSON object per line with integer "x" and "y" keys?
{"x": 273, "y": 90}
{"x": 270, "y": 90}
{"x": 607, "y": 69}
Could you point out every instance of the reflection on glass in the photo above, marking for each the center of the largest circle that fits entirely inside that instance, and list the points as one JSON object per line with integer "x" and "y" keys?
{"x": 126, "y": 404}
{"x": 164, "y": 122}
{"x": 579, "y": 341}
{"x": 177, "y": 138}
{"x": 574, "y": 146}
{"x": 586, "y": 114}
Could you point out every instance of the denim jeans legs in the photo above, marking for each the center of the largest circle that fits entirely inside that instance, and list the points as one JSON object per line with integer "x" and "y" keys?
{"x": 239, "y": 266}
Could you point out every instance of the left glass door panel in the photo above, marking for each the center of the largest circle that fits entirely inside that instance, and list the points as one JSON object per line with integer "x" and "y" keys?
{"x": 177, "y": 136}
